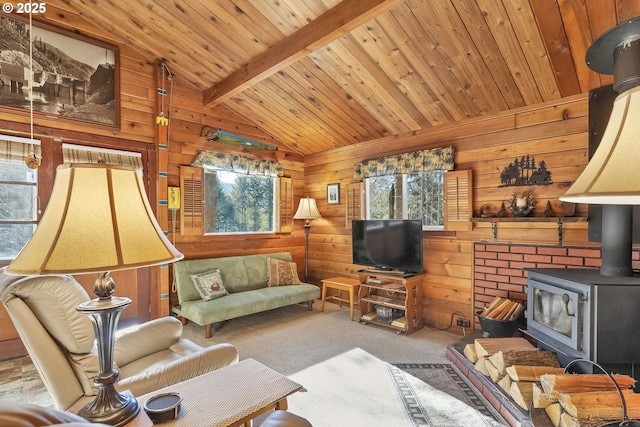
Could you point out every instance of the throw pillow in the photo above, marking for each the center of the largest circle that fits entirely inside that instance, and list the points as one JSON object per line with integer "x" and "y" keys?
{"x": 209, "y": 284}
{"x": 281, "y": 273}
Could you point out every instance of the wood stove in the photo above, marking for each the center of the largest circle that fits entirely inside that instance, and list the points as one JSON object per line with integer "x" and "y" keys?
{"x": 581, "y": 314}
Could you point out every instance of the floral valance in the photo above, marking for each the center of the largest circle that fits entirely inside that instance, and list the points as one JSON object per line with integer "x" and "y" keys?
{"x": 17, "y": 149}
{"x": 237, "y": 163}
{"x": 418, "y": 161}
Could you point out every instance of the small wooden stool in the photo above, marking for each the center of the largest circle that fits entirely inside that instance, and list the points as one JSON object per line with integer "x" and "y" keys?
{"x": 341, "y": 284}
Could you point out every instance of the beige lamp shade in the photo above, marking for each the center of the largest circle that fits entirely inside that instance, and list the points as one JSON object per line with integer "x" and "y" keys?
{"x": 307, "y": 209}
{"x": 612, "y": 176}
{"x": 98, "y": 219}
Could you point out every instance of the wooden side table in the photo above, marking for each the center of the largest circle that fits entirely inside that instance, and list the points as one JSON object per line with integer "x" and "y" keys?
{"x": 341, "y": 284}
{"x": 228, "y": 397}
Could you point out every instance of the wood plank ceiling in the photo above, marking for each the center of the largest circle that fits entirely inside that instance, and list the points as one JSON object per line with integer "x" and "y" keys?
{"x": 322, "y": 74}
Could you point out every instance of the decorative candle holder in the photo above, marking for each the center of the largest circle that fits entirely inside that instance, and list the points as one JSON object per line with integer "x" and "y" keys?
{"x": 521, "y": 206}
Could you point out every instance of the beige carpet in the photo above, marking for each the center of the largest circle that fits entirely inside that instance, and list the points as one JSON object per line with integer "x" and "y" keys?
{"x": 357, "y": 389}
{"x": 291, "y": 338}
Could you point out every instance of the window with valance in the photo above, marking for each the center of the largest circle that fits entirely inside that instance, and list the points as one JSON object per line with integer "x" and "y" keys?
{"x": 238, "y": 194}
{"x": 405, "y": 163}
{"x": 237, "y": 163}
{"x": 411, "y": 186}
{"x": 19, "y": 159}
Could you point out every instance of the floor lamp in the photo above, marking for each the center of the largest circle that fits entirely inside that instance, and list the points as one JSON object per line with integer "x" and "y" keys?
{"x": 307, "y": 210}
{"x": 98, "y": 220}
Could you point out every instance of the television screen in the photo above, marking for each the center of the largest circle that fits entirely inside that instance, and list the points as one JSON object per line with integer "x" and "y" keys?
{"x": 390, "y": 244}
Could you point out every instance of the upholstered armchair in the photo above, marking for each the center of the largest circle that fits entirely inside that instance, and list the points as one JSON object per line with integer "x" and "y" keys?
{"x": 61, "y": 343}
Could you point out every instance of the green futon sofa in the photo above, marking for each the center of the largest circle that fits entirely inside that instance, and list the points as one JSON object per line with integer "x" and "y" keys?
{"x": 245, "y": 279}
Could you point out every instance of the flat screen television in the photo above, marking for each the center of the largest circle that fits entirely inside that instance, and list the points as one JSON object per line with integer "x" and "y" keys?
{"x": 389, "y": 244}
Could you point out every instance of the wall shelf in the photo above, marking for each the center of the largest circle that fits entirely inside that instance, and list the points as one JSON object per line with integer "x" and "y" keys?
{"x": 548, "y": 219}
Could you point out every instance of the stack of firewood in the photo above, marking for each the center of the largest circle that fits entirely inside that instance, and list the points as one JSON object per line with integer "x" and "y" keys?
{"x": 574, "y": 400}
{"x": 534, "y": 378}
{"x": 503, "y": 309}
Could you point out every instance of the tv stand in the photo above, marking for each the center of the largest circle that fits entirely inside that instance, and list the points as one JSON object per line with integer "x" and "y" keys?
{"x": 399, "y": 292}
{"x": 376, "y": 271}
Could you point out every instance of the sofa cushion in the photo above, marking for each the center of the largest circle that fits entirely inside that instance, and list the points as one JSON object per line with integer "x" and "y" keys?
{"x": 256, "y": 267}
{"x": 281, "y": 273}
{"x": 209, "y": 284}
{"x": 245, "y": 303}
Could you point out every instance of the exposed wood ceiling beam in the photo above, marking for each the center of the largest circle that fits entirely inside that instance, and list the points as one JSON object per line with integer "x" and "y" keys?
{"x": 334, "y": 23}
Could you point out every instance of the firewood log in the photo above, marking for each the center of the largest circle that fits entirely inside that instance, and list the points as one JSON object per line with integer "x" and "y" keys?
{"x": 492, "y": 370}
{"x": 492, "y": 305}
{"x": 505, "y": 384}
{"x": 489, "y": 346}
{"x": 540, "y": 398}
{"x": 522, "y": 393}
{"x": 567, "y": 420}
{"x": 575, "y": 383}
{"x": 604, "y": 405}
{"x": 553, "y": 412}
{"x": 481, "y": 366}
{"x": 470, "y": 353}
{"x": 499, "y": 311}
{"x": 534, "y": 357}
{"x": 531, "y": 373}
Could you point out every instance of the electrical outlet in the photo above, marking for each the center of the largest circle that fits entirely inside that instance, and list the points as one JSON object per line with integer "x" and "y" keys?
{"x": 463, "y": 323}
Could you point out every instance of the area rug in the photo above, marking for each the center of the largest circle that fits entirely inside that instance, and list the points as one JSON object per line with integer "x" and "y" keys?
{"x": 357, "y": 389}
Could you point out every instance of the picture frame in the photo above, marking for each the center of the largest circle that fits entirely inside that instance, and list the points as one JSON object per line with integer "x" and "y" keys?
{"x": 333, "y": 194}
{"x": 74, "y": 78}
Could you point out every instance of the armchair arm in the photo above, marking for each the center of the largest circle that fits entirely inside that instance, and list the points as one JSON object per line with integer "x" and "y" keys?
{"x": 148, "y": 338}
{"x": 190, "y": 366}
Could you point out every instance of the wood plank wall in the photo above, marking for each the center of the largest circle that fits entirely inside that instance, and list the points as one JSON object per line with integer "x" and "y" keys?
{"x": 138, "y": 89}
{"x": 554, "y": 132}
{"x": 187, "y": 119}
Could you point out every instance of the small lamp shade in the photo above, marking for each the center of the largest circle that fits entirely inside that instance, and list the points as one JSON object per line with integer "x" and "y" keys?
{"x": 98, "y": 219}
{"x": 612, "y": 176}
{"x": 307, "y": 209}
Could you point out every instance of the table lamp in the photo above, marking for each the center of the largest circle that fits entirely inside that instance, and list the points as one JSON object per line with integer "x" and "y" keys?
{"x": 307, "y": 210}
{"x": 98, "y": 220}
{"x": 612, "y": 176}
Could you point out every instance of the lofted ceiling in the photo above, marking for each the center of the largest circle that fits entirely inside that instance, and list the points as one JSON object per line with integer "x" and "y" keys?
{"x": 322, "y": 74}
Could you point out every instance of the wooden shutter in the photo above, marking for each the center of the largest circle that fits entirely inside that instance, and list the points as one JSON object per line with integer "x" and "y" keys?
{"x": 458, "y": 200}
{"x": 191, "y": 201}
{"x": 285, "y": 205}
{"x": 355, "y": 203}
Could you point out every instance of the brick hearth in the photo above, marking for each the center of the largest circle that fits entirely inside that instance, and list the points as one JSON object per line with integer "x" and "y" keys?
{"x": 510, "y": 411}
{"x": 499, "y": 271}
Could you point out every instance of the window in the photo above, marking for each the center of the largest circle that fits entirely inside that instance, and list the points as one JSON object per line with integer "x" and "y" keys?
{"x": 418, "y": 195}
{"x": 239, "y": 203}
{"x": 18, "y": 206}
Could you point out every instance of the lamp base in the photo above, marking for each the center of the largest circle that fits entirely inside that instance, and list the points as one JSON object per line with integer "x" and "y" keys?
{"x": 109, "y": 406}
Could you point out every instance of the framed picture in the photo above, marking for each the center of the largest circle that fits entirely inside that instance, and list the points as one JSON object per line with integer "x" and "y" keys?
{"x": 71, "y": 77}
{"x": 333, "y": 194}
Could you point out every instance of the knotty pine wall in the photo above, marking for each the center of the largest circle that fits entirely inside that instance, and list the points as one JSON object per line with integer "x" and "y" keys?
{"x": 553, "y": 132}
{"x": 139, "y": 80}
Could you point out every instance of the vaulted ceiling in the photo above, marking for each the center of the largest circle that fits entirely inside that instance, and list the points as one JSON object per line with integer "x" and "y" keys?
{"x": 322, "y": 74}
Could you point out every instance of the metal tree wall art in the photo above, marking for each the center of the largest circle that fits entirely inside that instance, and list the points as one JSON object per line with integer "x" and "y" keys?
{"x": 524, "y": 171}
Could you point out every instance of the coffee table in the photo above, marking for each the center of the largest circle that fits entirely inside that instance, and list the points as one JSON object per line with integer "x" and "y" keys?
{"x": 231, "y": 396}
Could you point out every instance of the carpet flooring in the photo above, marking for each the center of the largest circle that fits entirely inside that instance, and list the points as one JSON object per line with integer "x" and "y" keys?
{"x": 291, "y": 340}
{"x": 356, "y": 389}
{"x": 445, "y": 377}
